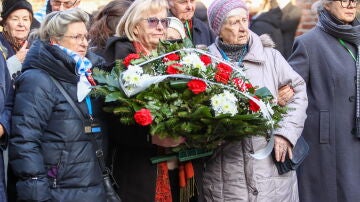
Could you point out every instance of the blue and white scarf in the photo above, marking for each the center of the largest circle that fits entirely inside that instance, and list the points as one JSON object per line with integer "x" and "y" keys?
{"x": 83, "y": 69}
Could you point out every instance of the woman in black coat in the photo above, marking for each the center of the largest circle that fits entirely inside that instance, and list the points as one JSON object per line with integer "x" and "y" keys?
{"x": 327, "y": 58}
{"x": 50, "y": 151}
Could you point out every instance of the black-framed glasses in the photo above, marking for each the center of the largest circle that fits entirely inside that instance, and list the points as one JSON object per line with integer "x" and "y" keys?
{"x": 67, "y": 4}
{"x": 79, "y": 37}
{"x": 347, "y": 3}
{"x": 153, "y": 22}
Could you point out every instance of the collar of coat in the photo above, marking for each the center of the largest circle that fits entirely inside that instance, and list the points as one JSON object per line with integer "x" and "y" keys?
{"x": 257, "y": 46}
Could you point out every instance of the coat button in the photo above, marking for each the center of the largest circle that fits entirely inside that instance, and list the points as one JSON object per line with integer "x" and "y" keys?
{"x": 251, "y": 151}
{"x": 352, "y": 98}
{"x": 255, "y": 192}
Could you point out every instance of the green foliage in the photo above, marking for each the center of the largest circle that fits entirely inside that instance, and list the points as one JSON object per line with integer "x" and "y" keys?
{"x": 177, "y": 111}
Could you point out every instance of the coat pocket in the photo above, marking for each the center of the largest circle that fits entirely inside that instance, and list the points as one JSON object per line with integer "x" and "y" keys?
{"x": 56, "y": 172}
{"x": 324, "y": 127}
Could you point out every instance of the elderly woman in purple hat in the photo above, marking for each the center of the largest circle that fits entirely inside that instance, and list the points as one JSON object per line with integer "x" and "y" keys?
{"x": 233, "y": 174}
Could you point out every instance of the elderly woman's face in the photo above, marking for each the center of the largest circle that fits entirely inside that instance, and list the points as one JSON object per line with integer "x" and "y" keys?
{"x": 183, "y": 9}
{"x": 346, "y": 15}
{"x": 18, "y": 24}
{"x": 75, "y": 38}
{"x": 151, "y": 29}
{"x": 235, "y": 29}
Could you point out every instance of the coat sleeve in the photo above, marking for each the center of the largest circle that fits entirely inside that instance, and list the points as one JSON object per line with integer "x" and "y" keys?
{"x": 292, "y": 124}
{"x": 7, "y": 99}
{"x": 299, "y": 60}
{"x": 32, "y": 109}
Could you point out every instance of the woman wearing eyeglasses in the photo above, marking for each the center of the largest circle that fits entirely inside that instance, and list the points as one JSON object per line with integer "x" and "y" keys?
{"x": 140, "y": 31}
{"x": 327, "y": 57}
{"x": 50, "y": 150}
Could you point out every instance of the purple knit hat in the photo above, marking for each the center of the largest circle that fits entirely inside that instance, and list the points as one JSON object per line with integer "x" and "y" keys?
{"x": 218, "y": 11}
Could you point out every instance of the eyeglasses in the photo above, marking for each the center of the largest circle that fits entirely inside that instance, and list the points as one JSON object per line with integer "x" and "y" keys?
{"x": 67, "y": 4}
{"x": 347, "y": 3}
{"x": 153, "y": 22}
{"x": 79, "y": 37}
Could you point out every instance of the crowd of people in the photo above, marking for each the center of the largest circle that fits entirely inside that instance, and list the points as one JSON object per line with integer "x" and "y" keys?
{"x": 47, "y": 57}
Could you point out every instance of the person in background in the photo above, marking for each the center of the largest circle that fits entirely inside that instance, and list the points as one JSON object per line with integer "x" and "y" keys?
{"x": 290, "y": 20}
{"x": 199, "y": 33}
{"x": 104, "y": 24}
{"x": 17, "y": 16}
{"x": 175, "y": 31}
{"x": 327, "y": 57}
{"x": 6, "y": 96}
{"x": 52, "y": 5}
{"x": 201, "y": 12}
{"x": 232, "y": 174}
{"x": 266, "y": 19}
{"x": 49, "y": 150}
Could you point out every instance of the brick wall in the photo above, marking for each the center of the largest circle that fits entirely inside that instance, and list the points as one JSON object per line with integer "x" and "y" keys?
{"x": 309, "y": 18}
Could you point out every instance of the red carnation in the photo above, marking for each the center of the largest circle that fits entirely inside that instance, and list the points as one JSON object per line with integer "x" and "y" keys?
{"x": 197, "y": 86}
{"x": 205, "y": 59}
{"x": 222, "y": 77}
{"x": 253, "y": 106}
{"x": 132, "y": 56}
{"x": 171, "y": 57}
{"x": 248, "y": 85}
{"x": 143, "y": 117}
{"x": 173, "y": 69}
{"x": 240, "y": 84}
{"x": 224, "y": 68}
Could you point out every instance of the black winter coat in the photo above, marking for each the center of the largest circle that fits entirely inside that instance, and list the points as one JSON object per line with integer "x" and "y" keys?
{"x": 49, "y": 150}
{"x": 269, "y": 23}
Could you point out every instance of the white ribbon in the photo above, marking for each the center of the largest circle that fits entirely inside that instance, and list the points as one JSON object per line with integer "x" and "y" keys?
{"x": 148, "y": 81}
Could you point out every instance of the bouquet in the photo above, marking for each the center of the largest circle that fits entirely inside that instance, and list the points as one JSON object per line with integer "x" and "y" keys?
{"x": 187, "y": 92}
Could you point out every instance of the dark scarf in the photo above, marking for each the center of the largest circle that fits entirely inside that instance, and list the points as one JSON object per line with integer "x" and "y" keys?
{"x": 235, "y": 52}
{"x": 350, "y": 34}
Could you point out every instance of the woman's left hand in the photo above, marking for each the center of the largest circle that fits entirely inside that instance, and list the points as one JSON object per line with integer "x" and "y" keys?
{"x": 167, "y": 141}
{"x": 282, "y": 147}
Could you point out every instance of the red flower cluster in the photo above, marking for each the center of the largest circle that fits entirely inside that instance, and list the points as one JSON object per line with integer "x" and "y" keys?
{"x": 171, "y": 57}
{"x": 205, "y": 59}
{"x": 223, "y": 73}
{"x": 197, "y": 86}
{"x": 143, "y": 117}
{"x": 253, "y": 106}
{"x": 132, "y": 56}
{"x": 173, "y": 69}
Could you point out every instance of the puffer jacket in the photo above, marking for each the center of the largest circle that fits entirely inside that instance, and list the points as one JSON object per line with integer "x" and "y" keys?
{"x": 232, "y": 174}
{"x": 49, "y": 152}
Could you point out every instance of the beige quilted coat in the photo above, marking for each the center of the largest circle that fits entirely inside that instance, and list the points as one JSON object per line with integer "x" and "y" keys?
{"x": 232, "y": 174}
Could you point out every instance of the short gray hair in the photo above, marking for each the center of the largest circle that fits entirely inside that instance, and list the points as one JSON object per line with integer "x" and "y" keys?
{"x": 134, "y": 13}
{"x": 56, "y": 23}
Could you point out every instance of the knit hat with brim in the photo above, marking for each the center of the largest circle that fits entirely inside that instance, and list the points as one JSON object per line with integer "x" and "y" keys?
{"x": 218, "y": 11}
{"x": 10, "y": 6}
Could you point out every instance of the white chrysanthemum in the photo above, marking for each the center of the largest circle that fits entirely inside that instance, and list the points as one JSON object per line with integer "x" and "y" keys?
{"x": 132, "y": 76}
{"x": 224, "y": 103}
{"x": 193, "y": 60}
{"x": 135, "y": 68}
